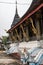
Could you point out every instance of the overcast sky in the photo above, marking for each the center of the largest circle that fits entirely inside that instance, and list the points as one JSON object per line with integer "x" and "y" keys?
{"x": 7, "y": 13}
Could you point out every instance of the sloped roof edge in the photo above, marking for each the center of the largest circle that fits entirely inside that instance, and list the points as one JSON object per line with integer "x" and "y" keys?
{"x": 21, "y": 21}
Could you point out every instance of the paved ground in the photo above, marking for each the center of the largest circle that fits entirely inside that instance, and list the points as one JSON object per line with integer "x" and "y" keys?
{"x": 8, "y": 60}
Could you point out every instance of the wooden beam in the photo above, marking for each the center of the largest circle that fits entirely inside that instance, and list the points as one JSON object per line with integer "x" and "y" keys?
{"x": 33, "y": 27}
{"x": 17, "y": 35}
{"x": 24, "y": 33}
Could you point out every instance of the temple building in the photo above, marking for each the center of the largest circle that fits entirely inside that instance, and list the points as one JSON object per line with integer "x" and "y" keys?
{"x": 26, "y": 31}
{"x": 30, "y": 26}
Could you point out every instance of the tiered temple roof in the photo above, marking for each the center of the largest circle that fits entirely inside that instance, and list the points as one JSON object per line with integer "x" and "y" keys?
{"x": 16, "y": 18}
{"x": 35, "y": 6}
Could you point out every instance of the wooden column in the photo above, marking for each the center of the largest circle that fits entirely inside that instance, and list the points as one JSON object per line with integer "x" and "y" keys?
{"x": 27, "y": 33}
{"x": 37, "y": 21}
{"x": 17, "y": 35}
{"x": 13, "y": 37}
{"x": 24, "y": 33}
{"x": 27, "y": 30}
{"x": 33, "y": 27}
{"x": 11, "y": 34}
{"x": 41, "y": 22}
{"x": 20, "y": 34}
{"x": 38, "y": 29}
{"x": 10, "y": 38}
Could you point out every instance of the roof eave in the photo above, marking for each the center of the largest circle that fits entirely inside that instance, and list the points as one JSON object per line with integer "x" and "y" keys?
{"x": 31, "y": 13}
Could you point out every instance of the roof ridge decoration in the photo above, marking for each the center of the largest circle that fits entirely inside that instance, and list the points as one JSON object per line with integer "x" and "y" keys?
{"x": 16, "y": 7}
{"x": 16, "y": 17}
{"x": 16, "y": 12}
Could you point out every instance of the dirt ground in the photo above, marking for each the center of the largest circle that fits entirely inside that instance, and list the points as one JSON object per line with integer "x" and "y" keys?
{"x": 8, "y": 60}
